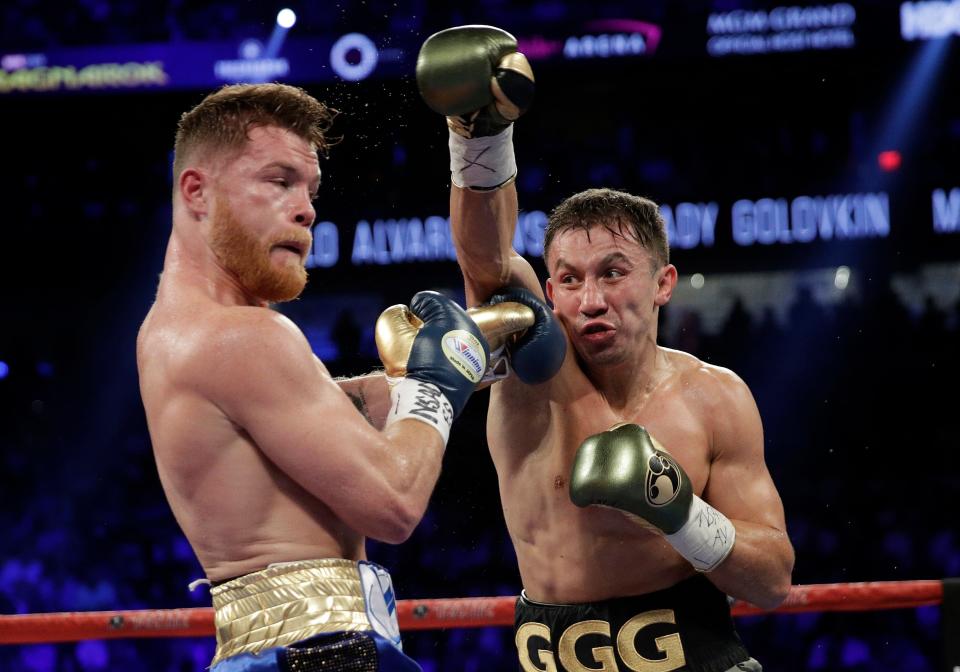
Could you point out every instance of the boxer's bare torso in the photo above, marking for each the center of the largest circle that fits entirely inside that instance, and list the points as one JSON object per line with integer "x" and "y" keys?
{"x": 239, "y": 511}
{"x": 568, "y": 554}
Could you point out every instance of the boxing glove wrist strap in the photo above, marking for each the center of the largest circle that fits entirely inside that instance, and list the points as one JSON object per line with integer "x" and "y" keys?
{"x": 707, "y": 537}
{"x": 417, "y": 400}
{"x": 485, "y": 163}
{"x": 498, "y": 367}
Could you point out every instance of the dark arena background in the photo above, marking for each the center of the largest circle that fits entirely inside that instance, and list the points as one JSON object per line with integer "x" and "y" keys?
{"x": 805, "y": 157}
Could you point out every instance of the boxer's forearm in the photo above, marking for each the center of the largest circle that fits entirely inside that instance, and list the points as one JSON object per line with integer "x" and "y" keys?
{"x": 759, "y": 567}
{"x": 370, "y": 395}
{"x": 483, "y": 225}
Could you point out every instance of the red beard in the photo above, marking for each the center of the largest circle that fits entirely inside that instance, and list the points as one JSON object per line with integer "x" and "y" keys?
{"x": 248, "y": 259}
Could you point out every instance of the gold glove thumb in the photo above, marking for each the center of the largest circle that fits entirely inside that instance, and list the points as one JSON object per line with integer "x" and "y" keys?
{"x": 394, "y": 333}
{"x": 501, "y": 321}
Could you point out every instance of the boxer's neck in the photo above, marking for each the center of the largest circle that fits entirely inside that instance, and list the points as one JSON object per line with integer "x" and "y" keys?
{"x": 196, "y": 268}
{"x": 627, "y": 384}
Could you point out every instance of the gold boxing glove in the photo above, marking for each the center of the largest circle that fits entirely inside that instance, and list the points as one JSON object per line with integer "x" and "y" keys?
{"x": 397, "y": 327}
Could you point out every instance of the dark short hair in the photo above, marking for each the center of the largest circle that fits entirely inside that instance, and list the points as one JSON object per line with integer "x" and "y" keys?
{"x": 223, "y": 119}
{"x": 620, "y": 213}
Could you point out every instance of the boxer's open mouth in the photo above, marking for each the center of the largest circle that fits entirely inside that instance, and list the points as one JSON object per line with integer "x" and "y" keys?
{"x": 595, "y": 328}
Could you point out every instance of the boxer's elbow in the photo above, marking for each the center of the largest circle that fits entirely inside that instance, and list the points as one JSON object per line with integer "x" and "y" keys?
{"x": 393, "y": 535}
{"x": 779, "y": 582}
{"x": 403, "y": 514}
{"x": 760, "y": 574}
{"x": 404, "y": 526}
{"x": 774, "y": 595}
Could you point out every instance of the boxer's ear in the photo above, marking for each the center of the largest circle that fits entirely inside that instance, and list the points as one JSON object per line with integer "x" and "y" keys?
{"x": 665, "y": 284}
{"x": 194, "y": 188}
{"x": 550, "y": 291}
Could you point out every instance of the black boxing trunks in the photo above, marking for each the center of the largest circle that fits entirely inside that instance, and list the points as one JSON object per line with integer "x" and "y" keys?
{"x": 334, "y": 615}
{"x": 685, "y": 627}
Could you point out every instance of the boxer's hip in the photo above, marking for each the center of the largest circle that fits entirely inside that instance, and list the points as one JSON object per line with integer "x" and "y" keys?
{"x": 684, "y": 627}
{"x": 340, "y": 605}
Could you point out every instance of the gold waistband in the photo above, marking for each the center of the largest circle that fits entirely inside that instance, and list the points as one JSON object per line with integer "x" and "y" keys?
{"x": 287, "y": 603}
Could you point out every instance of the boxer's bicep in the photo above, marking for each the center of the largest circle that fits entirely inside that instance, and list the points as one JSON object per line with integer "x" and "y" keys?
{"x": 742, "y": 489}
{"x": 740, "y": 485}
{"x": 269, "y": 384}
{"x": 760, "y": 566}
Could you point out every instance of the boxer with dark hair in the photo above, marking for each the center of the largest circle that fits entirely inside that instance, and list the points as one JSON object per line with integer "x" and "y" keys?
{"x": 633, "y": 482}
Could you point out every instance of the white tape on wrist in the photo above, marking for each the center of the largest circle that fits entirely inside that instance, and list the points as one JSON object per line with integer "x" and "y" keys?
{"x": 707, "y": 537}
{"x": 417, "y": 400}
{"x": 482, "y": 163}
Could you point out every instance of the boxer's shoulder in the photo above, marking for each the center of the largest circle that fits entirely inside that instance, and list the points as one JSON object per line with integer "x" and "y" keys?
{"x": 702, "y": 383}
{"x": 225, "y": 343}
{"x": 694, "y": 371}
{"x": 718, "y": 397}
{"x": 248, "y": 327}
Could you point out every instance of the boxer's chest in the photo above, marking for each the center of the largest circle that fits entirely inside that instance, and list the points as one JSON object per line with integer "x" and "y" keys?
{"x": 681, "y": 431}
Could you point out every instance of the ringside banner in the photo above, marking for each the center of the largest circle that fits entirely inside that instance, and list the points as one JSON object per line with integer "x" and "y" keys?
{"x": 829, "y": 220}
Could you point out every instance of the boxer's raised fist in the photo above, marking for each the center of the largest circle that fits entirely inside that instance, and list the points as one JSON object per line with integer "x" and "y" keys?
{"x": 474, "y": 76}
{"x": 537, "y": 353}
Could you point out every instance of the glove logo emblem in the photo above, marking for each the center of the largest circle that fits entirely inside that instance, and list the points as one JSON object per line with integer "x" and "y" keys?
{"x": 663, "y": 480}
{"x": 464, "y": 351}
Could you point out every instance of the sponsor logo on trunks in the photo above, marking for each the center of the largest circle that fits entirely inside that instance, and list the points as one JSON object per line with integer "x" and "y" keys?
{"x": 533, "y": 646}
{"x": 379, "y": 601}
{"x": 465, "y": 352}
{"x": 663, "y": 480}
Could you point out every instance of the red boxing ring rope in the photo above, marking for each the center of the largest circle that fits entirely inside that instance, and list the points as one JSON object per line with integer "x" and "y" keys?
{"x": 466, "y": 612}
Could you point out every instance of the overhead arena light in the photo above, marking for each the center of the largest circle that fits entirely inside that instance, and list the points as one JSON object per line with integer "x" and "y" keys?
{"x": 286, "y": 18}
